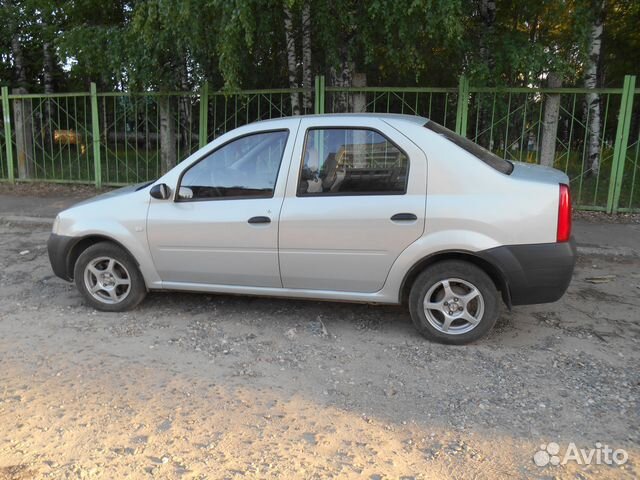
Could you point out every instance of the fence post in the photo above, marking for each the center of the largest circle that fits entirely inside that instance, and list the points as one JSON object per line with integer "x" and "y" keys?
{"x": 319, "y": 90}
{"x": 7, "y": 132}
{"x": 95, "y": 129}
{"x": 463, "y": 106}
{"x": 622, "y": 141}
{"x": 204, "y": 115}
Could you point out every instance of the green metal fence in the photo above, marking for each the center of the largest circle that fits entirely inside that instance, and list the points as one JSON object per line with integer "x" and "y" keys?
{"x": 115, "y": 138}
{"x": 129, "y": 133}
{"x": 509, "y": 122}
{"x": 512, "y": 125}
{"x": 438, "y": 104}
{"x": 130, "y": 125}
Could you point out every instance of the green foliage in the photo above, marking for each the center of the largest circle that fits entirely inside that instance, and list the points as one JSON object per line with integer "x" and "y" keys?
{"x": 177, "y": 44}
{"x": 621, "y": 40}
{"x": 530, "y": 39}
{"x": 93, "y": 39}
{"x": 418, "y": 38}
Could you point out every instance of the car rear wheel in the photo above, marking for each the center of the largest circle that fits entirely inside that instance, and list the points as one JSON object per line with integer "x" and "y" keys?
{"x": 454, "y": 302}
{"x": 108, "y": 278}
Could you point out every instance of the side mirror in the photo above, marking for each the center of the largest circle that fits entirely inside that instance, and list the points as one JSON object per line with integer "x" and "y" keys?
{"x": 160, "y": 191}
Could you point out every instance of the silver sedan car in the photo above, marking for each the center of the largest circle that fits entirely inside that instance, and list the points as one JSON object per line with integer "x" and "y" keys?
{"x": 364, "y": 208}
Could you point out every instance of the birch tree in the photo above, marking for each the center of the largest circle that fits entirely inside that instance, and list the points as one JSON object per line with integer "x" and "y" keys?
{"x": 159, "y": 51}
{"x": 22, "y": 114}
{"x": 49, "y": 61}
{"x": 292, "y": 58}
{"x": 591, "y": 81}
{"x": 341, "y": 76}
{"x": 550, "y": 122}
{"x": 487, "y": 10}
{"x": 167, "y": 134}
{"x": 307, "y": 74}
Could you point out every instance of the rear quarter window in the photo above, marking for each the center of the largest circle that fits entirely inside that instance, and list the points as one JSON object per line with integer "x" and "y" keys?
{"x": 481, "y": 153}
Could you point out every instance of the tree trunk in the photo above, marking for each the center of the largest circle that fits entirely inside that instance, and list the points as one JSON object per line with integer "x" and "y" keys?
{"x": 342, "y": 77}
{"x": 359, "y": 104}
{"x": 550, "y": 123}
{"x": 292, "y": 61}
{"x": 185, "y": 109}
{"x": 18, "y": 62}
{"x": 487, "y": 9}
{"x": 359, "y": 100}
{"x": 306, "y": 56}
{"x": 167, "y": 134}
{"x": 23, "y": 123}
{"x": 488, "y": 16}
{"x": 593, "y": 99}
{"x": 48, "y": 65}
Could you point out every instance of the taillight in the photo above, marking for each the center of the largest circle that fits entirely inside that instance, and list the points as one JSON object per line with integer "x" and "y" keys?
{"x": 564, "y": 214}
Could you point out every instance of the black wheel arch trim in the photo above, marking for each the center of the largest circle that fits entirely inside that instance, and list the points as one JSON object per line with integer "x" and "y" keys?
{"x": 64, "y": 251}
{"x": 490, "y": 268}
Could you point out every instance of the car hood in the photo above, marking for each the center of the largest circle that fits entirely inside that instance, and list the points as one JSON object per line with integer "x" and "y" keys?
{"x": 538, "y": 173}
{"x": 114, "y": 193}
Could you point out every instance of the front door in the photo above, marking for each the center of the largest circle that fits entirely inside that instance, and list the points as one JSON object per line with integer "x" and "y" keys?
{"x": 355, "y": 200}
{"x": 222, "y": 227}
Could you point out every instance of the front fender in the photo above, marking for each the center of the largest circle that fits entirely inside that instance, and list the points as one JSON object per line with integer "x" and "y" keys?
{"x": 132, "y": 242}
{"x": 97, "y": 219}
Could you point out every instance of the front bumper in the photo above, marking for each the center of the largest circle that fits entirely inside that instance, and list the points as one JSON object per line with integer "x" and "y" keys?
{"x": 59, "y": 248}
{"x": 537, "y": 273}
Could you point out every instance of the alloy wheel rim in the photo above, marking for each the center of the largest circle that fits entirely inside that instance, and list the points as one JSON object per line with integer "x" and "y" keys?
{"x": 453, "y": 306}
{"x": 107, "y": 280}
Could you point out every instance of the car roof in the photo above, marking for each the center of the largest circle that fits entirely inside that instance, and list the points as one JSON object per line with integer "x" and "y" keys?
{"x": 355, "y": 116}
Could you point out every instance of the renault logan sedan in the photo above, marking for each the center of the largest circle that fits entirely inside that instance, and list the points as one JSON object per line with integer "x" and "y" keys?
{"x": 362, "y": 208}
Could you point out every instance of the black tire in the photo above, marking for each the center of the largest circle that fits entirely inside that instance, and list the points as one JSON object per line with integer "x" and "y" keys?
{"x": 124, "y": 268}
{"x": 430, "y": 281}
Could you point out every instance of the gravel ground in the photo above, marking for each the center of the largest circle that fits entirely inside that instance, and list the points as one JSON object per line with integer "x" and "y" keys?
{"x": 601, "y": 217}
{"x": 49, "y": 189}
{"x": 204, "y": 386}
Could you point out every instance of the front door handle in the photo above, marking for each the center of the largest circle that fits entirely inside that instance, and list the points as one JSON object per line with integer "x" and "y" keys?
{"x": 403, "y": 217}
{"x": 259, "y": 220}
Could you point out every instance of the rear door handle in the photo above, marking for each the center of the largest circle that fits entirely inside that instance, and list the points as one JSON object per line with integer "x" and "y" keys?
{"x": 259, "y": 220}
{"x": 403, "y": 217}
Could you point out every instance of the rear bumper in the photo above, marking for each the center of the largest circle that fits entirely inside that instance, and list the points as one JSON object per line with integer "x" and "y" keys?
{"x": 59, "y": 247}
{"x": 538, "y": 273}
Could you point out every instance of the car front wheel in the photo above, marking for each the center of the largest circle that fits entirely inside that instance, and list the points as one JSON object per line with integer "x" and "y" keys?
{"x": 454, "y": 302}
{"x": 108, "y": 278}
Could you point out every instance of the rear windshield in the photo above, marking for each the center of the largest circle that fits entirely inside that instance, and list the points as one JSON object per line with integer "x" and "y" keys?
{"x": 474, "y": 149}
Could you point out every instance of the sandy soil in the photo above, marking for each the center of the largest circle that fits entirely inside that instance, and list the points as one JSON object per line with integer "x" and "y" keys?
{"x": 201, "y": 386}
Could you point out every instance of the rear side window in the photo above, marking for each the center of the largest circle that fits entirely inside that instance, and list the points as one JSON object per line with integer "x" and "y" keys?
{"x": 351, "y": 161}
{"x": 474, "y": 149}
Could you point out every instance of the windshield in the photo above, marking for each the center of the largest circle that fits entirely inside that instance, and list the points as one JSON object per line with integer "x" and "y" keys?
{"x": 474, "y": 149}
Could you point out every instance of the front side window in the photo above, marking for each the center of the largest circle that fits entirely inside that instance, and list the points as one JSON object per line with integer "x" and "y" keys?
{"x": 243, "y": 168}
{"x": 351, "y": 161}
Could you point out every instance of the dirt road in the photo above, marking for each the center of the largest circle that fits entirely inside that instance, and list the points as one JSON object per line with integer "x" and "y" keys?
{"x": 197, "y": 386}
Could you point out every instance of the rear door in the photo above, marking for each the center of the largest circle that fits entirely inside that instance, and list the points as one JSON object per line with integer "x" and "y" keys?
{"x": 355, "y": 199}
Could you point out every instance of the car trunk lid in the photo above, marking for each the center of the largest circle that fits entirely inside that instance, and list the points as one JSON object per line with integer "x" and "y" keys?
{"x": 538, "y": 173}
